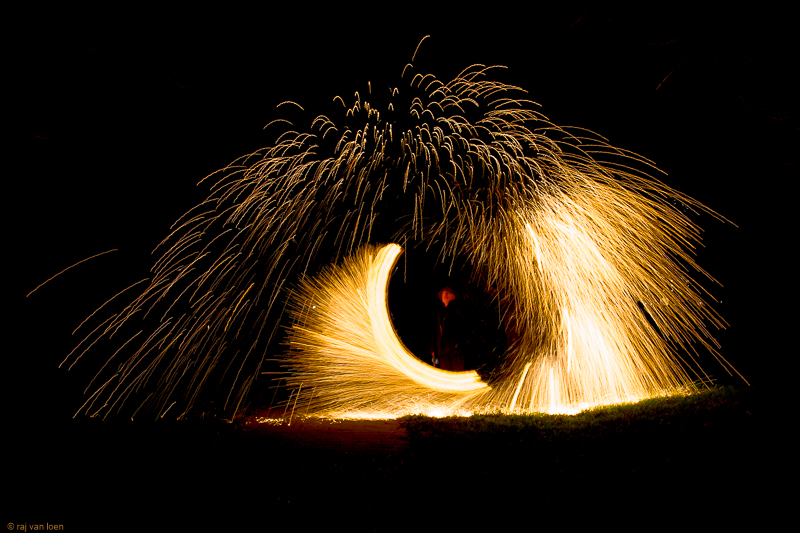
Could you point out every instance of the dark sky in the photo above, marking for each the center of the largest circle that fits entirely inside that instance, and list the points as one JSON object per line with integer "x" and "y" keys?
{"x": 120, "y": 124}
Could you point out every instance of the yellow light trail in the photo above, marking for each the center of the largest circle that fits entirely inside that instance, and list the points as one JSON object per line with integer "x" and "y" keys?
{"x": 344, "y": 342}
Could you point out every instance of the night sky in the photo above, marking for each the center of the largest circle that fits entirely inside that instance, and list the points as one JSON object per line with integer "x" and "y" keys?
{"x": 118, "y": 125}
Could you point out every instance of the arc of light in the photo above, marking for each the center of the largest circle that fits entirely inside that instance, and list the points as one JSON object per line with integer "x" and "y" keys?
{"x": 386, "y": 337}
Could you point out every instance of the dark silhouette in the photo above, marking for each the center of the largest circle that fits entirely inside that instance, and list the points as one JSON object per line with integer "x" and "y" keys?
{"x": 449, "y": 339}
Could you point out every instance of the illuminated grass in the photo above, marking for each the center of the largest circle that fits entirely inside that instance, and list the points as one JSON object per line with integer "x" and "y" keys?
{"x": 714, "y": 450}
{"x": 676, "y": 411}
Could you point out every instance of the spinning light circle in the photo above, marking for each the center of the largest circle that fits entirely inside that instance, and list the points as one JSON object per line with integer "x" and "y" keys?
{"x": 345, "y": 348}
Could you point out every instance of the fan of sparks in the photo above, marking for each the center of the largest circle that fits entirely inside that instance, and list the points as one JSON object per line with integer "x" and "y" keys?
{"x": 589, "y": 258}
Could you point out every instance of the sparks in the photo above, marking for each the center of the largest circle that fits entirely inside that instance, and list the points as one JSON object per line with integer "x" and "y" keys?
{"x": 568, "y": 229}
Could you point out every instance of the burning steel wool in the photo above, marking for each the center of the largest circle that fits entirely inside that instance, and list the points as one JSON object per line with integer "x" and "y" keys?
{"x": 573, "y": 233}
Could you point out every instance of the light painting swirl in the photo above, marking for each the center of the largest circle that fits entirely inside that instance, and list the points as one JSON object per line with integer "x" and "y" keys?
{"x": 345, "y": 347}
{"x": 587, "y": 253}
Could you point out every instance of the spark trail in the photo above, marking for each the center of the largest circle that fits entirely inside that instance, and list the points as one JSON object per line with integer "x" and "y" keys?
{"x": 572, "y": 232}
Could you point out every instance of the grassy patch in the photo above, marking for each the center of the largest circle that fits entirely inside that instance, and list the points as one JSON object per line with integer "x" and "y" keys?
{"x": 705, "y": 408}
{"x": 717, "y": 442}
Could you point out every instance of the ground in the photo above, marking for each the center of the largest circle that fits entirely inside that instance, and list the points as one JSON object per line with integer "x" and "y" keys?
{"x": 717, "y": 464}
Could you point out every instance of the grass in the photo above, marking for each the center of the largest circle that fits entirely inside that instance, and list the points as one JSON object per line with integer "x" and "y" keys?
{"x": 712, "y": 449}
{"x": 716, "y": 404}
{"x": 631, "y": 466}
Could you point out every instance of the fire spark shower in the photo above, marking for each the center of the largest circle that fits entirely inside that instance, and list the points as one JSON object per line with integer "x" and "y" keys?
{"x": 574, "y": 234}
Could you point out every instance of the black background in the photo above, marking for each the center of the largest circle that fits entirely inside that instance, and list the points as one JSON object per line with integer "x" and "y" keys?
{"x": 121, "y": 117}
{"x": 116, "y": 115}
